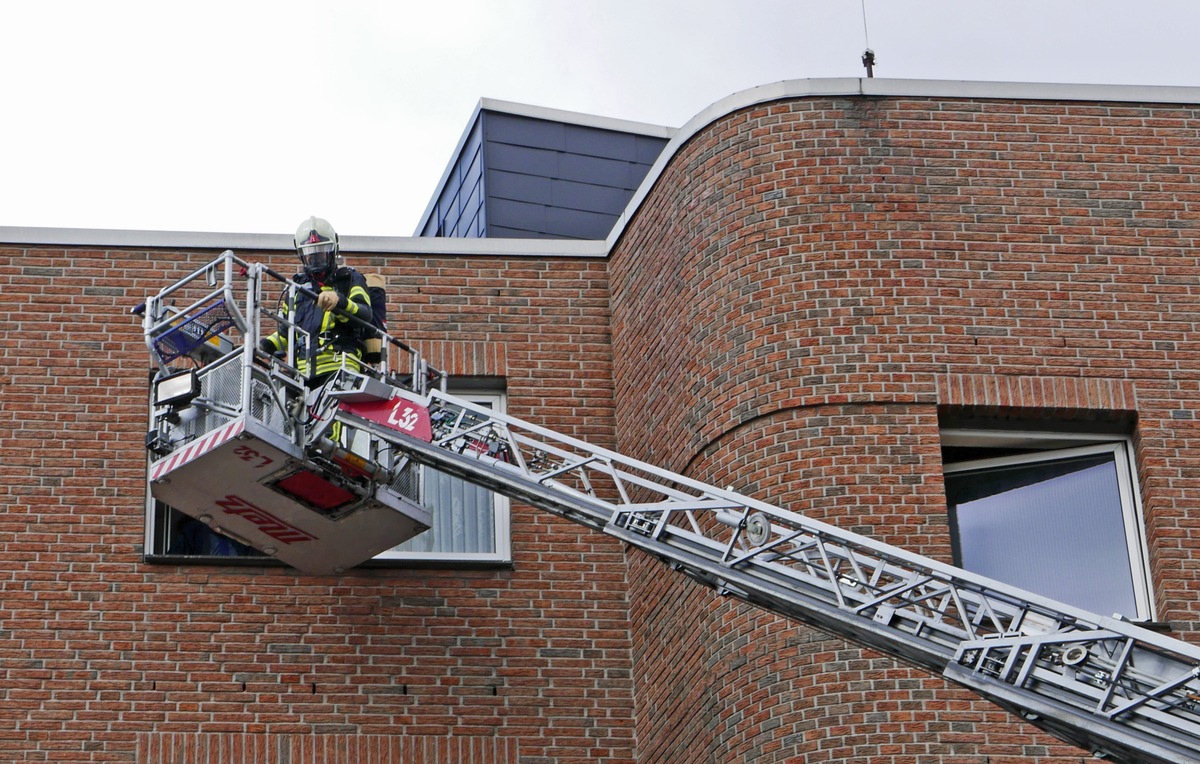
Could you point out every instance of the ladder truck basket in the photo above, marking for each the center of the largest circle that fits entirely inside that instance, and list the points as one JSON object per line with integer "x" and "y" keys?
{"x": 244, "y": 442}
{"x": 192, "y": 331}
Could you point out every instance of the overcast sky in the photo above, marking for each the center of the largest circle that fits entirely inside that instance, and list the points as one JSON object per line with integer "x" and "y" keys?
{"x": 248, "y": 116}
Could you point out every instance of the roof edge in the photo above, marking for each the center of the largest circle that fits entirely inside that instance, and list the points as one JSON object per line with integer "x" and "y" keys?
{"x": 100, "y": 238}
{"x": 113, "y": 237}
{"x": 577, "y": 118}
{"x": 869, "y": 86}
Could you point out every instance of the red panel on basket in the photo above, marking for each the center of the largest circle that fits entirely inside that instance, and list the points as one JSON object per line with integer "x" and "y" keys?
{"x": 314, "y": 490}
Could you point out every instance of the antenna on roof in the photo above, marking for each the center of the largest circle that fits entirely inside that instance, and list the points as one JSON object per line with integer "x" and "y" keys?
{"x": 868, "y": 56}
{"x": 869, "y": 61}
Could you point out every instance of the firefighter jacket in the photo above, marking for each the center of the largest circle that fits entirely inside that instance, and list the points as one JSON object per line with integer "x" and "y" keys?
{"x": 339, "y": 341}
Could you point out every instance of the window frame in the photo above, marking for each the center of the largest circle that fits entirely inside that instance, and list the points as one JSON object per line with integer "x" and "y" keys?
{"x": 501, "y": 508}
{"x": 1034, "y": 447}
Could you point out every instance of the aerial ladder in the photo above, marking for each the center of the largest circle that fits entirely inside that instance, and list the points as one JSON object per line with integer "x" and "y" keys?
{"x": 323, "y": 479}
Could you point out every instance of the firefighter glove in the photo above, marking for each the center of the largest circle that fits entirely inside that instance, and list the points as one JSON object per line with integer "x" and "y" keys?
{"x": 328, "y": 300}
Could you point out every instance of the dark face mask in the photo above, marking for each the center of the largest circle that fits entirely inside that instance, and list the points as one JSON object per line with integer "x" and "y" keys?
{"x": 318, "y": 260}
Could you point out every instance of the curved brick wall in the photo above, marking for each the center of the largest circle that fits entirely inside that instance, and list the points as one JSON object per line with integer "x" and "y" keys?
{"x": 806, "y": 286}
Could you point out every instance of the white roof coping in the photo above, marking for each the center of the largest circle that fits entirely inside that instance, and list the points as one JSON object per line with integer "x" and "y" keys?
{"x": 112, "y": 237}
{"x": 101, "y": 238}
{"x": 574, "y": 118}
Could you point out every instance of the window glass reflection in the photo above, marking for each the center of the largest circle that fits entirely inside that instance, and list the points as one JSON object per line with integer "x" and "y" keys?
{"x": 1054, "y": 528}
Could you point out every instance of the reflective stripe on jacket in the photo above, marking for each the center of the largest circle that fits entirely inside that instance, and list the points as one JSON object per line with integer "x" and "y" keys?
{"x": 339, "y": 341}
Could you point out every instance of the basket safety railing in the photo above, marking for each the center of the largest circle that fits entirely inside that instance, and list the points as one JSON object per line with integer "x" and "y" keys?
{"x": 210, "y": 323}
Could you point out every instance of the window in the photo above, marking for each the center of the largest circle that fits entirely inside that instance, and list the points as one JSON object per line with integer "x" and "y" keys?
{"x": 470, "y": 524}
{"x": 1054, "y": 514}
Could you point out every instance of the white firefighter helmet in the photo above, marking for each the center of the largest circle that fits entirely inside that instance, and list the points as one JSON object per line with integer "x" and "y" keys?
{"x": 317, "y": 246}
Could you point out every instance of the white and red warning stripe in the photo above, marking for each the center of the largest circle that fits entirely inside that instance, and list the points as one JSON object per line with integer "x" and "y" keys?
{"x": 210, "y": 441}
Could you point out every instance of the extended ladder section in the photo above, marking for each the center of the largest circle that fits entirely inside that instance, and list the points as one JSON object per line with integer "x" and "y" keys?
{"x": 1117, "y": 690}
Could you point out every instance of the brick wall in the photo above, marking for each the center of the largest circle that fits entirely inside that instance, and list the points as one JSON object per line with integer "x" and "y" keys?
{"x": 809, "y": 285}
{"x": 104, "y": 657}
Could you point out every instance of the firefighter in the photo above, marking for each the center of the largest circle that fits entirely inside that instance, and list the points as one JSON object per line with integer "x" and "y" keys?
{"x": 341, "y": 292}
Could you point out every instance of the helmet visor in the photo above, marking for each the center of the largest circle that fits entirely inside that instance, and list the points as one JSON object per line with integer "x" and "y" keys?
{"x": 316, "y": 256}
